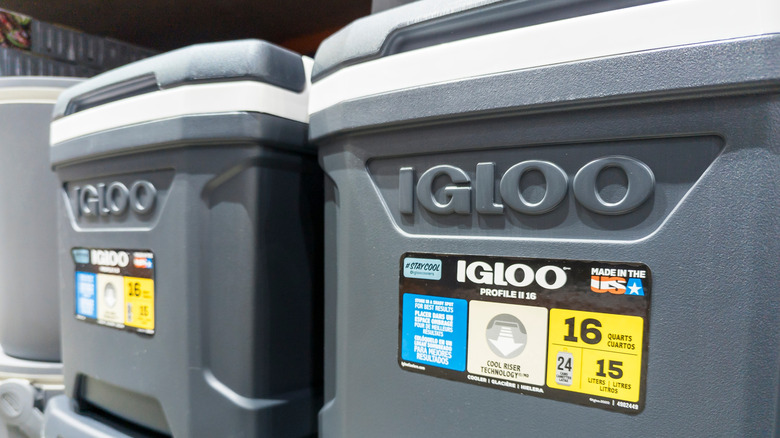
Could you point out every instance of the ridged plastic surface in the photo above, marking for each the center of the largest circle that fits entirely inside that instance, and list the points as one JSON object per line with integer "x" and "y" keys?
{"x": 81, "y": 48}
{"x": 15, "y": 62}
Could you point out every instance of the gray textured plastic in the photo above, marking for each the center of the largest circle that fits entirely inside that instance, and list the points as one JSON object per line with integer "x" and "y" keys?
{"x": 708, "y": 231}
{"x": 236, "y": 349}
{"x": 11, "y": 366}
{"x": 428, "y": 22}
{"x": 62, "y": 421}
{"x": 15, "y": 62}
{"x": 29, "y": 313}
{"x": 94, "y": 52}
{"x": 383, "y": 5}
{"x": 253, "y": 60}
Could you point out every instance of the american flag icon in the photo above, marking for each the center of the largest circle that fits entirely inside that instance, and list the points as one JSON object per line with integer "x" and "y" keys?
{"x": 142, "y": 262}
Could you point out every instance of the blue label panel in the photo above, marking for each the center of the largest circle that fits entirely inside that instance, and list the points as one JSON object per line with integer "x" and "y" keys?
{"x": 86, "y": 288}
{"x": 434, "y": 331}
{"x": 427, "y": 269}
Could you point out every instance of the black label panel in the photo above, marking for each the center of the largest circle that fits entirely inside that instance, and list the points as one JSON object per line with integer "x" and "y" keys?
{"x": 115, "y": 288}
{"x": 569, "y": 330}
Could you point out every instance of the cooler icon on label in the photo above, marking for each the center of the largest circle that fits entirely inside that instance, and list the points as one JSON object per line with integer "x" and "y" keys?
{"x": 564, "y": 372}
{"x": 110, "y": 299}
{"x": 506, "y": 336}
{"x": 109, "y": 295}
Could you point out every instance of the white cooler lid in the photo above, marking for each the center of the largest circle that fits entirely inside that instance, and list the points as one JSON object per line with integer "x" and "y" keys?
{"x": 438, "y": 41}
{"x": 235, "y": 76}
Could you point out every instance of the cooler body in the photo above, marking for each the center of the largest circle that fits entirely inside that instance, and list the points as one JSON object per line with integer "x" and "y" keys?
{"x": 30, "y": 372}
{"x": 531, "y": 240}
{"x": 29, "y": 315}
{"x": 187, "y": 241}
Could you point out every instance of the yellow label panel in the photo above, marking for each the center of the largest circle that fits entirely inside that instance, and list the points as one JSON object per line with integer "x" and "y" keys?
{"x": 139, "y": 296}
{"x": 595, "y": 353}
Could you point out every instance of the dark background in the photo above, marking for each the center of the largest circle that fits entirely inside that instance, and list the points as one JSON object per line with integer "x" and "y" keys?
{"x": 168, "y": 24}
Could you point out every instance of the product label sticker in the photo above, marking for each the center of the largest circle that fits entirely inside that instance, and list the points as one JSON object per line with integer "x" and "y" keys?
{"x": 568, "y": 330}
{"x": 115, "y": 288}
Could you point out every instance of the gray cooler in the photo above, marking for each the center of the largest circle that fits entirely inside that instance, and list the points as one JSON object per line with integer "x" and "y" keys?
{"x": 29, "y": 302}
{"x": 189, "y": 207}
{"x": 29, "y": 317}
{"x": 552, "y": 219}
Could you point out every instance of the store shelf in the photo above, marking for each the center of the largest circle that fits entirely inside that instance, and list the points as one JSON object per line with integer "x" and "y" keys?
{"x": 297, "y": 24}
